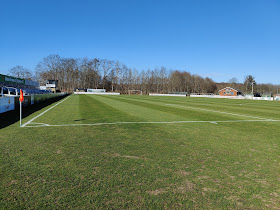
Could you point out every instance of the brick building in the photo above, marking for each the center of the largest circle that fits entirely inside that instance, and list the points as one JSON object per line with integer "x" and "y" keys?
{"x": 228, "y": 91}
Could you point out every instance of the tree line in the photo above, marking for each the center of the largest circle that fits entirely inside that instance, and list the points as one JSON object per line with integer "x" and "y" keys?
{"x": 113, "y": 76}
{"x": 86, "y": 73}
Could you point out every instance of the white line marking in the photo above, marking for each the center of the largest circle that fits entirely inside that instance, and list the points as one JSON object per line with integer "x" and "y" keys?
{"x": 43, "y": 113}
{"x": 172, "y": 122}
{"x": 208, "y": 110}
{"x": 37, "y": 124}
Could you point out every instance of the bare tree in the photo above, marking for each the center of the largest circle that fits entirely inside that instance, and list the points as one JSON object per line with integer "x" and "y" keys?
{"x": 115, "y": 75}
{"x": 21, "y": 72}
{"x": 106, "y": 66}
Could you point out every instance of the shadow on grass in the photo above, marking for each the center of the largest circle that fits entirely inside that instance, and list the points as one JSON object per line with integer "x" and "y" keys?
{"x": 80, "y": 120}
{"x": 11, "y": 117}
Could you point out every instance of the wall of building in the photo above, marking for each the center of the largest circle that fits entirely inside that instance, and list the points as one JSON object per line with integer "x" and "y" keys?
{"x": 231, "y": 92}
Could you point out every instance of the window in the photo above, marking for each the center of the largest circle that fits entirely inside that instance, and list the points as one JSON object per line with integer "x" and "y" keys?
{"x": 228, "y": 91}
{"x": 224, "y": 92}
{"x": 5, "y": 90}
{"x": 231, "y": 93}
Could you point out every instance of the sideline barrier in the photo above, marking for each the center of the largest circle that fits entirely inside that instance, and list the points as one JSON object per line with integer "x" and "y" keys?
{"x": 96, "y": 93}
{"x": 217, "y": 96}
{"x": 12, "y": 102}
{"x": 277, "y": 98}
{"x": 263, "y": 98}
{"x": 7, "y": 104}
{"x": 157, "y": 94}
{"x": 236, "y": 97}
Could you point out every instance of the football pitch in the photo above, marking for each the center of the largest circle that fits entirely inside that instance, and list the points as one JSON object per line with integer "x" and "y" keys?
{"x": 96, "y": 151}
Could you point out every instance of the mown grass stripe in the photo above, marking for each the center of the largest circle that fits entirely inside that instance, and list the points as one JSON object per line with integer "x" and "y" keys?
{"x": 208, "y": 110}
{"x": 253, "y": 111}
{"x": 172, "y": 122}
{"x": 195, "y": 114}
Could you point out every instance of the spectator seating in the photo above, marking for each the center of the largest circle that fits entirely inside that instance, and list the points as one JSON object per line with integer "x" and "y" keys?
{"x": 14, "y": 90}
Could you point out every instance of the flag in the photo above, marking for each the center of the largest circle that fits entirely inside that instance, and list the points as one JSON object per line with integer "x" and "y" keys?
{"x": 21, "y": 98}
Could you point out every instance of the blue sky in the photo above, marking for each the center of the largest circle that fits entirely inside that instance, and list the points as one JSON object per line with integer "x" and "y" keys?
{"x": 220, "y": 39}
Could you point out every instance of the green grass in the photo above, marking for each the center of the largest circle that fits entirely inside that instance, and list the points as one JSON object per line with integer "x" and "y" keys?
{"x": 233, "y": 164}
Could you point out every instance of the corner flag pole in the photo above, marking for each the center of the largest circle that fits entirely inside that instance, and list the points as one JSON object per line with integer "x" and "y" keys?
{"x": 20, "y": 110}
{"x": 21, "y": 98}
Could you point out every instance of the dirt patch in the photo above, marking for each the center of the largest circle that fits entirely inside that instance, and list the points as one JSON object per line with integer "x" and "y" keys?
{"x": 239, "y": 202}
{"x": 263, "y": 182}
{"x": 205, "y": 189}
{"x": 183, "y": 173}
{"x": 95, "y": 170}
{"x": 275, "y": 194}
{"x": 59, "y": 152}
{"x": 187, "y": 186}
{"x": 128, "y": 156}
{"x": 12, "y": 182}
{"x": 203, "y": 177}
{"x": 273, "y": 201}
{"x": 156, "y": 192}
{"x": 233, "y": 198}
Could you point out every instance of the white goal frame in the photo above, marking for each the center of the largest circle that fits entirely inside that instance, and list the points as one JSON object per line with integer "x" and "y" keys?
{"x": 129, "y": 91}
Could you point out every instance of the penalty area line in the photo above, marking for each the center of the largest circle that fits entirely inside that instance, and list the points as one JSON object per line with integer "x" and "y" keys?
{"x": 209, "y": 110}
{"x": 30, "y": 121}
{"x": 172, "y": 122}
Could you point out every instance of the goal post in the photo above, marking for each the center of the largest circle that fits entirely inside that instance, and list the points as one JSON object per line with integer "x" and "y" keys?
{"x": 135, "y": 92}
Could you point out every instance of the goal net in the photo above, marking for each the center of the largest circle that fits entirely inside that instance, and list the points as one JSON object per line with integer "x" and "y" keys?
{"x": 134, "y": 92}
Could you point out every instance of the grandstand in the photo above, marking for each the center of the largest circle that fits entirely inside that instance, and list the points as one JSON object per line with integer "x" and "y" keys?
{"x": 10, "y": 86}
{"x": 10, "y": 91}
